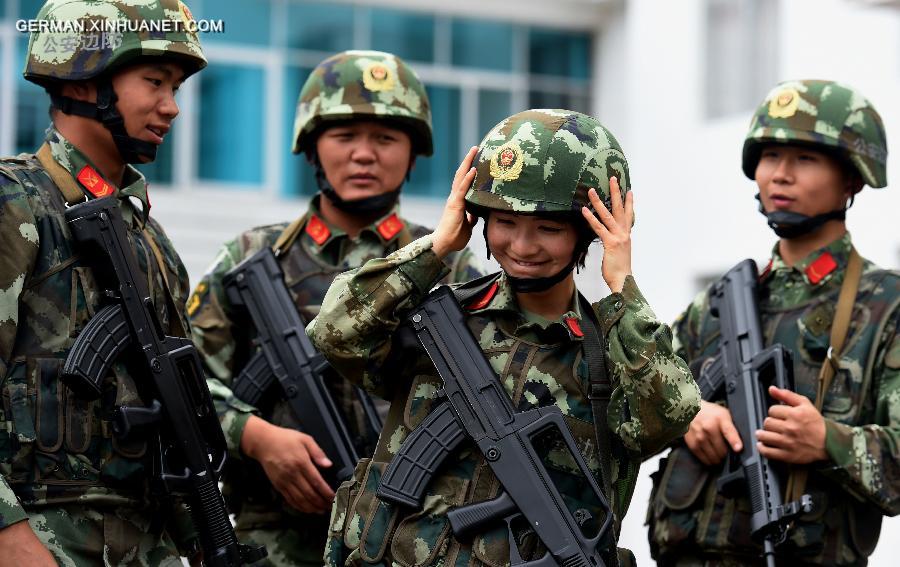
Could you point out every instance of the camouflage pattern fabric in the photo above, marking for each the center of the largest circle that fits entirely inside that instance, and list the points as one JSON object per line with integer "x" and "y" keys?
{"x": 544, "y": 161}
{"x": 224, "y": 338}
{"x": 820, "y": 113}
{"x": 56, "y": 448}
{"x": 363, "y": 85}
{"x": 97, "y": 46}
{"x": 539, "y": 363}
{"x": 861, "y": 481}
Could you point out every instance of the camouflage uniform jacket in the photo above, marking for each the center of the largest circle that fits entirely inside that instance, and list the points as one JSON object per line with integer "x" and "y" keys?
{"x": 540, "y": 363}
{"x": 861, "y": 479}
{"x": 224, "y": 335}
{"x": 57, "y": 448}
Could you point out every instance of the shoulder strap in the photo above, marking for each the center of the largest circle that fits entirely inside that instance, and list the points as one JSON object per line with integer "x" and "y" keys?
{"x": 288, "y": 236}
{"x": 839, "y": 327}
{"x": 474, "y": 288}
{"x": 175, "y": 324}
{"x": 70, "y": 190}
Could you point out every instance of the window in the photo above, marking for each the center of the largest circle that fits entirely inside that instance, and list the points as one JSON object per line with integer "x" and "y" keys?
{"x": 559, "y": 53}
{"x": 29, "y": 8}
{"x": 299, "y": 178}
{"x": 432, "y": 175}
{"x": 231, "y": 124}
{"x": 242, "y": 23}
{"x": 160, "y": 169}
{"x": 32, "y": 106}
{"x": 493, "y": 106}
{"x": 319, "y": 26}
{"x": 740, "y": 54}
{"x": 485, "y": 45}
{"x": 405, "y": 34}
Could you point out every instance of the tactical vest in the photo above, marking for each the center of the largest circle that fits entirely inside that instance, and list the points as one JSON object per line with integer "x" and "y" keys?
{"x": 686, "y": 509}
{"x": 59, "y": 447}
{"x": 415, "y": 538}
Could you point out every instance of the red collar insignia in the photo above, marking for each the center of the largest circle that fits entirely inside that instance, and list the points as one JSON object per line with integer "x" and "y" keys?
{"x": 574, "y": 327}
{"x": 485, "y": 298}
{"x": 94, "y": 182}
{"x": 317, "y": 230}
{"x": 766, "y": 271}
{"x": 822, "y": 266}
{"x": 389, "y": 227}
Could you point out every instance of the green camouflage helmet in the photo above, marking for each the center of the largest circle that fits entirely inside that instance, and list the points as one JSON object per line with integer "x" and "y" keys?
{"x": 82, "y": 39}
{"x": 545, "y": 160}
{"x": 823, "y": 113}
{"x": 363, "y": 84}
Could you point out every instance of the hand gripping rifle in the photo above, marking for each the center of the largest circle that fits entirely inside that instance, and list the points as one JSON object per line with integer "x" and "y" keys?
{"x": 745, "y": 370}
{"x": 191, "y": 445}
{"x": 287, "y": 359}
{"x": 477, "y": 407}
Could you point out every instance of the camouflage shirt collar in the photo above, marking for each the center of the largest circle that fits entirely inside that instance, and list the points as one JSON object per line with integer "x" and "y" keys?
{"x": 531, "y": 326}
{"x": 806, "y": 270}
{"x": 74, "y": 161}
{"x": 327, "y": 235}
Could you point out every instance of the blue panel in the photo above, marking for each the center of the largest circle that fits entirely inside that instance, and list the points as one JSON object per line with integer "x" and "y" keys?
{"x": 432, "y": 176}
{"x": 297, "y": 172}
{"x": 486, "y": 45}
{"x": 493, "y": 106}
{"x": 540, "y": 99}
{"x": 320, "y": 26}
{"x": 409, "y": 35}
{"x": 564, "y": 54}
{"x": 231, "y": 123}
{"x": 244, "y": 22}
{"x": 28, "y": 9}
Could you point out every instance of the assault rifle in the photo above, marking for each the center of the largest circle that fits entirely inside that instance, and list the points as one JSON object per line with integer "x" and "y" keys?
{"x": 190, "y": 449}
{"x": 743, "y": 370}
{"x": 287, "y": 359}
{"x": 478, "y": 408}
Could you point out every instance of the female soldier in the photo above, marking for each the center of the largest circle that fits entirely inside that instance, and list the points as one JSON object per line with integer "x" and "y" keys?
{"x": 536, "y": 174}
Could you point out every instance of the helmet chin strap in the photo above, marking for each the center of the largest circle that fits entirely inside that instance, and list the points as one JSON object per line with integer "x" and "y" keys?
{"x": 376, "y": 205}
{"x": 792, "y": 225}
{"x": 131, "y": 150}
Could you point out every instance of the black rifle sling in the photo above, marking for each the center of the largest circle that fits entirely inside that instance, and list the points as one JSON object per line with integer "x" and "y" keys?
{"x": 599, "y": 393}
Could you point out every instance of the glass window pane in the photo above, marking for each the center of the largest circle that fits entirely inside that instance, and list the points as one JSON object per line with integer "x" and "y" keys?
{"x": 231, "y": 123}
{"x": 487, "y": 45}
{"x": 409, "y": 35}
{"x": 542, "y": 99}
{"x": 432, "y": 175}
{"x": 320, "y": 26}
{"x": 559, "y": 53}
{"x": 493, "y": 106}
{"x": 160, "y": 170}
{"x": 27, "y": 8}
{"x": 243, "y": 23}
{"x": 32, "y": 106}
{"x": 299, "y": 178}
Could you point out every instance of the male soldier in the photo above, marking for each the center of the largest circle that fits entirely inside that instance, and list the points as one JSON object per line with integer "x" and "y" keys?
{"x": 362, "y": 118}
{"x": 536, "y": 174}
{"x": 83, "y": 492}
{"x": 811, "y": 147}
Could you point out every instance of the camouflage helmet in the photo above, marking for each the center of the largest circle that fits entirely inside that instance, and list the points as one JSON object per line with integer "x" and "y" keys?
{"x": 820, "y": 113}
{"x": 363, "y": 84}
{"x": 95, "y": 37}
{"x": 545, "y": 161}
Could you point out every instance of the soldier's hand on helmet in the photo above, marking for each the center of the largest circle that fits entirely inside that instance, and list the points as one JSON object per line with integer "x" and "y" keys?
{"x": 794, "y": 432}
{"x": 614, "y": 229}
{"x": 22, "y": 547}
{"x": 455, "y": 227}
{"x": 711, "y": 433}
{"x": 291, "y": 460}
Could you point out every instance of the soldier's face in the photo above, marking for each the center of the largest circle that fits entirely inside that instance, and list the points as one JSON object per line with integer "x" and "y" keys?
{"x": 146, "y": 93}
{"x": 529, "y": 246}
{"x": 364, "y": 159}
{"x": 801, "y": 180}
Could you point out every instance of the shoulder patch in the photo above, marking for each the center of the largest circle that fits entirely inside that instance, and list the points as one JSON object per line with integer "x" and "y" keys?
{"x": 197, "y": 298}
{"x": 574, "y": 327}
{"x": 485, "y": 298}
{"x": 317, "y": 230}
{"x": 389, "y": 227}
{"x": 94, "y": 182}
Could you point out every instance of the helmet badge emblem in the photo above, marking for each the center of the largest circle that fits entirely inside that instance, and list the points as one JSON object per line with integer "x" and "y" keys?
{"x": 378, "y": 77}
{"x": 784, "y": 104}
{"x": 507, "y": 163}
